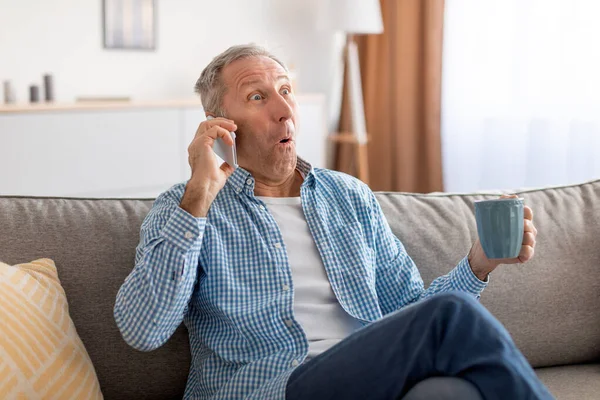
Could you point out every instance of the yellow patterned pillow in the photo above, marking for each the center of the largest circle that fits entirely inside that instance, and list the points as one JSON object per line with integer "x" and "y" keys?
{"x": 41, "y": 355}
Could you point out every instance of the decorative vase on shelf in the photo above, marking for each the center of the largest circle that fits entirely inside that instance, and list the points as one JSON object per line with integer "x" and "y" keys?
{"x": 9, "y": 93}
{"x": 48, "y": 88}
{"x": 34, "y": 94}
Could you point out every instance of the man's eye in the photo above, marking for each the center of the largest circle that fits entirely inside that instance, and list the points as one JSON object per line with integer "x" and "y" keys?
{"x": 285, "y": 91}
{"x": 256, "y": 97}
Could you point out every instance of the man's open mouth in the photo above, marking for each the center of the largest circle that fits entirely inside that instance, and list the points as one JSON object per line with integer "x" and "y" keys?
{"x": 285, "y": 140}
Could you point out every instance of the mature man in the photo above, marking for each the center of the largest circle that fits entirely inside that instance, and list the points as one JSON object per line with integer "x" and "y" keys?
{"x": 289, "y": 279}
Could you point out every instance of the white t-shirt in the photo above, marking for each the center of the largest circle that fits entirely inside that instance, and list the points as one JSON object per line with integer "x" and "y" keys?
{"x": 316, "y": 308}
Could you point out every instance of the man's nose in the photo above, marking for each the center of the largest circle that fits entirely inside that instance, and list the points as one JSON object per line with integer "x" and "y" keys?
{"x": 282, "y": 109}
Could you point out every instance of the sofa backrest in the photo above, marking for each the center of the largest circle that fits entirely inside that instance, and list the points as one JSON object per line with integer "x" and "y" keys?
{"x": 551, "y": 305}
{"x": 93, "y": 244}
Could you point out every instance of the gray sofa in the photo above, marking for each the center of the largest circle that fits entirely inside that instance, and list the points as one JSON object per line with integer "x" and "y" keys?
{"x": 550, "y": 305}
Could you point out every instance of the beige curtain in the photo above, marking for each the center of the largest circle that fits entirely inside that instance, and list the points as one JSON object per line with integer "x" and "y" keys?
{"x": 401, "y": 78}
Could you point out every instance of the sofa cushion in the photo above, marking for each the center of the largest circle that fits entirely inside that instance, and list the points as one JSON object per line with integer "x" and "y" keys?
{"x": 551, "y": 304}
{"x": 41, "y": 355}
{"x": 93, "y": 244}
{"x": 572, "y": 382}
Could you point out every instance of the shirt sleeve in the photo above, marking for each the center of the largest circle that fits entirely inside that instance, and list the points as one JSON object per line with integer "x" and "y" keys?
{"x": 399, "y": 282}
{"x": 153, "y": 300}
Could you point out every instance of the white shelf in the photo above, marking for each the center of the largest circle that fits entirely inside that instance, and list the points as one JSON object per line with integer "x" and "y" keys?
{"x": 122, "y": 105}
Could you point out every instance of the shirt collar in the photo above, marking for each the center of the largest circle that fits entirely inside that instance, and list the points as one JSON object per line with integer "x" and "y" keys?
{"x": 242, "y": 180}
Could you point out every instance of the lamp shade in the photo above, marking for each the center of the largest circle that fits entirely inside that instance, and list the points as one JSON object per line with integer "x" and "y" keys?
{"x": 350, "y": 16}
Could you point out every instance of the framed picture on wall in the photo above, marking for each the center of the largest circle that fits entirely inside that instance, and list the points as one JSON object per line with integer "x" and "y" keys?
{"x": 129, "y": 24}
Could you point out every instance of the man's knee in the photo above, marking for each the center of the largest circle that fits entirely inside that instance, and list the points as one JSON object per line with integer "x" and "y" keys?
{"x": 455, "y": 299}
{"x": 456, "y": 305}
{"x": 461, "y": 310}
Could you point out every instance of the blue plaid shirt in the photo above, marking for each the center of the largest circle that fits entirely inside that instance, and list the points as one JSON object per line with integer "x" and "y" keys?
{"x": 228, "y": 278}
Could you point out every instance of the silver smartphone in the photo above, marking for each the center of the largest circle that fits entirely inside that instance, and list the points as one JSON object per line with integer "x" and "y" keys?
{"x": 223, "y": 150}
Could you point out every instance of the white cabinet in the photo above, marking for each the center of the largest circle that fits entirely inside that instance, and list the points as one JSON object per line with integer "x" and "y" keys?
{"x": 124, "y": 150}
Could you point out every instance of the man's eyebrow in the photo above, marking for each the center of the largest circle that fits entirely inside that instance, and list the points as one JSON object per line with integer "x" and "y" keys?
{"x": 252, "y": 82}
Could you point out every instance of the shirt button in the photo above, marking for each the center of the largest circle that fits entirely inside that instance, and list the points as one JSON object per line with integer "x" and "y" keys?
{"x": 277, "y": 245}
{"x": 289, "y": 322}
{"x": 295, "y": 363}
{"x": 249, "y": 181}
{"x": 188, "y": 235}
{"x": 154, "y": 320}
{"x": 285, "y": 287}
{"x": 238, "y": 190}
{"x": 262, "y": 208}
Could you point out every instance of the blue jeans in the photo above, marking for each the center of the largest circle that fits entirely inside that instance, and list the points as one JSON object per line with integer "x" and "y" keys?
{"x": 447, "y": 335}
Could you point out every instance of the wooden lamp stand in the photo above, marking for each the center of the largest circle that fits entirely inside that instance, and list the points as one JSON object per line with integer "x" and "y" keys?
{"x": 358, "y": 135}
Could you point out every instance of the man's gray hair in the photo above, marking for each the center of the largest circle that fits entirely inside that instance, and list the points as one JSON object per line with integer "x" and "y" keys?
{"x": 210, "y": 86}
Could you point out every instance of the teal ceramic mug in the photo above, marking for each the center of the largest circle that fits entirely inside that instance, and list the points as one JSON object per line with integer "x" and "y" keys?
{"x": 500, "y": 226}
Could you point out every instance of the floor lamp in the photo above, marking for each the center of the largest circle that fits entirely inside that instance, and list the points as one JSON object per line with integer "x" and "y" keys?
{"x": 354, "y": 17}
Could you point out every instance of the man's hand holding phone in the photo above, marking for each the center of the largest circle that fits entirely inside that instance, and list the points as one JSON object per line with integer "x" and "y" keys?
{"x": 207, "y": 177}
{"x": 225, "y": 150}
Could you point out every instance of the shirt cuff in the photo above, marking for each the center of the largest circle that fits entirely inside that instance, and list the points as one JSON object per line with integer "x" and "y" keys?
{"x": 464, "y": 279}
{"x": 183, "y": 230}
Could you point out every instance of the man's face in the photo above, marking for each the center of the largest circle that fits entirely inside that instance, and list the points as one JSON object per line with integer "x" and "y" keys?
{"x": 260, "y": 101}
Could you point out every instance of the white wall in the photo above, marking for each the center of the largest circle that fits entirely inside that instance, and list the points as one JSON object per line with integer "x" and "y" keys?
{"x": 64, "y": 38}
